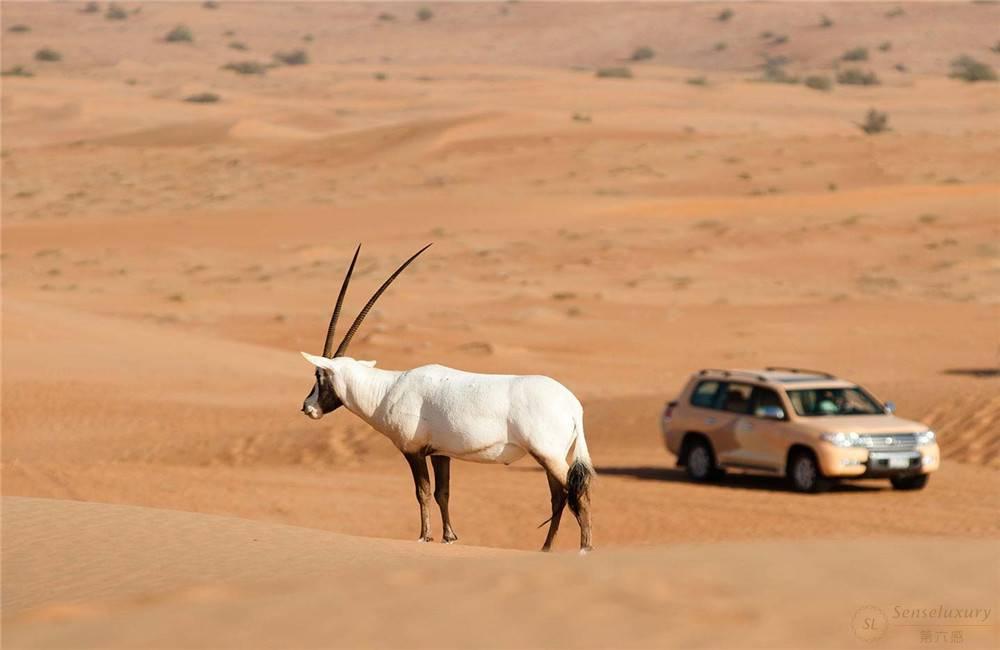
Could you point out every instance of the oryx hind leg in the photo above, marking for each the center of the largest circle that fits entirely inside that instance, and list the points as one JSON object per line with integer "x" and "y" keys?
{"x": 558, "y": 492}
{"x": 555, "y": 472}
{"x": 442, "y": 481}
{"x": 422, "y": 483}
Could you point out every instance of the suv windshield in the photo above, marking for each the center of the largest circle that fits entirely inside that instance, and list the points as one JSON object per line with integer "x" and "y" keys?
{"x": 834, "y": 401}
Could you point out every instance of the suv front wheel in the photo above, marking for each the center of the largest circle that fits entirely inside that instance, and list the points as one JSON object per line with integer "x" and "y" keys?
{"x": 805, "y": 474}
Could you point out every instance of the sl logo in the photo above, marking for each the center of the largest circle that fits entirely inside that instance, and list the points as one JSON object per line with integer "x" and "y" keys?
{"x": 869, "y": 623}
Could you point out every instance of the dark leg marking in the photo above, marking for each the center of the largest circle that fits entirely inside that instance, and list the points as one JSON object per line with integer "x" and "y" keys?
{"x": 442, "y": 481}
{"x": 422, "y": 483}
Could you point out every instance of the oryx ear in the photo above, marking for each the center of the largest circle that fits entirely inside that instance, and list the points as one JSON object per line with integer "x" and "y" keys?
{"x": 319, "y": 362}
{"x": 368, "y": 364}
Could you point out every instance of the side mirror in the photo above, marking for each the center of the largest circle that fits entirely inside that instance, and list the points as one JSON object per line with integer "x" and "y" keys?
{"x": 890, "y": 408}
{"x": 770, "y": 412}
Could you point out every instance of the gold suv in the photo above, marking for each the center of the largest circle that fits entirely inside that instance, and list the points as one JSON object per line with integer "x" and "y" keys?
{"x": 809, "y": 426}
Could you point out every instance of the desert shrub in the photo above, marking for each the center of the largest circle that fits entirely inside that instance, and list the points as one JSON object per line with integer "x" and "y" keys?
{"x": 780, "y": 39}
{"x": 17, "y": 71}
{"x": 202, "y": 98}
{"x": 818, "y": 82}
{"x": 885, "y": 46}
{"x": 855, "y": 54}
{"x": 774, "y": 72}
{"x": 90, "y": 8}
{"x": 19, "y": 29}
{"x": 969, "y": 69}
{"x": 581, "y": 117}
{"x": 386, "y": 17}
{"x": 995, "y": 48}
{"x": 697, "y": 81}
{"x": 179, "y": 34}
{"x": 614, "y": 73}
{"x": 246, "y": 67}
{"x": 643, "y": 53}
{"x": 724, "y": 15}
{"x": 895, "y": 12}
{"x": 857, "y": 77}
{"x": 238, "y": 45}
{"x": 116, "y": 12}
{"x": 766, "y": 34}
{"x": 901, "y": 67}
{"x": 47, "y": 54}
{"x": 308, "y": 38}
{"x": 380, "y": 76}
{"x": 825, "y": 22}
{"x": 424, "y": 14}
{"x": 720, "y": 46}
{"x": 875, "y": 122}
{"x": 210, "y": 4}
{"x": 292, "y": 57}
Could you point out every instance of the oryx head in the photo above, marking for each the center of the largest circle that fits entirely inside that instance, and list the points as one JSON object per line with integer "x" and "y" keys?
{"x": 323, "y": 398}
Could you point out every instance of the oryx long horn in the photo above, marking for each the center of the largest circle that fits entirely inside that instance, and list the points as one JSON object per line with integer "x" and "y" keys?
{"x": 328, "y": 345}
{"x": 342, "y": 348}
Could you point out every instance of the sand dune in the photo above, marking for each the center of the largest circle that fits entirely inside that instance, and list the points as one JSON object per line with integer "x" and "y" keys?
{"x": 158, "y": 578}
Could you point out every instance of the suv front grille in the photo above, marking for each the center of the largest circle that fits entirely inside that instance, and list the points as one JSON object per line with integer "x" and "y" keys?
{"x": 889, "y": 441}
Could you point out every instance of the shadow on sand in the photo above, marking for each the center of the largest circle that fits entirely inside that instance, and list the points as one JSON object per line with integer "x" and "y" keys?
{"x": 978, "y": 373}
{"x": 728, "y": 480}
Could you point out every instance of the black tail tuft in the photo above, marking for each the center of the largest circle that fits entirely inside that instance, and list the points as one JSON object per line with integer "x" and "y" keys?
{"x": 578, "y": 484}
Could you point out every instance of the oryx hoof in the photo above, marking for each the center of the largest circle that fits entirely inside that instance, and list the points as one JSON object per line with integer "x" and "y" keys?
{"x": 424, "y": 540}
{"x": 586, "y": 550}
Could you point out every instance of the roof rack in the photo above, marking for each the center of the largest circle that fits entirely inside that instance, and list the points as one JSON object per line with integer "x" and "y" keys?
{"x": 801, "y": 371}
{"x": 730, "y": 373}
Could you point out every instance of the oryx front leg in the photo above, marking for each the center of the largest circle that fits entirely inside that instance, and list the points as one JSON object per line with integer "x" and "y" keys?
{"x": 442, "y": 480}
{"x": 422, "y": 482}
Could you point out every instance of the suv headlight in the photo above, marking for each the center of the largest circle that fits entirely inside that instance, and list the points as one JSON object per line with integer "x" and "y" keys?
{"x": 926, "y": 438}
{"x": 843, "y": 439}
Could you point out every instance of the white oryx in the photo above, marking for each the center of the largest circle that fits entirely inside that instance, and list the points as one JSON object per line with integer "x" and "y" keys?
{"x": 445, "y": 413}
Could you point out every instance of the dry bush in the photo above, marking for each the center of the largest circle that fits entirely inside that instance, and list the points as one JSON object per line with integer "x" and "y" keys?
{"x": 179, "y": 34}
{"x": 47, "y": 54}
{"x": 614, "y": 73}
{"x": 968, "y": 69}
{"x": 875, "y": 122}
{"x": 292, "y": 57}
{"x": 855, "y": 54}
{"x": 643, "y": 53}
{"x": 857, "y": 77}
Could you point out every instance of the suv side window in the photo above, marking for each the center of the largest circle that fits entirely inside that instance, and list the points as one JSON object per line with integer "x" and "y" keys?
{"x": 765, "y": 397}
{"x": 737, "y": 398}
{"x": 704, "y": 394}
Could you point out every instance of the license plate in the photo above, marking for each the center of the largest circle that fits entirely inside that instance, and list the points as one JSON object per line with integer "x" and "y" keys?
{"x": 898, "y": 462}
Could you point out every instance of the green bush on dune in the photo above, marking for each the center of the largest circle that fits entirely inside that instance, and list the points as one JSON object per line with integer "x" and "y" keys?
{"x": 292, "y": 57}
{"x": 614, "y": 73}
{"x": 179, "y": 34}
{"x": 968, "y": 69}
{"x": 857, "y": 77}
{"x": 246, "y": 67}
{"x": 47, "y": 54}
{"x": 643, "y": 53}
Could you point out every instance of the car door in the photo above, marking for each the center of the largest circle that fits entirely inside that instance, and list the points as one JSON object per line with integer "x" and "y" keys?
{"x": 730, "y": 435}
{"x": 706, "y": 415}
{"x": 761, "y": 439}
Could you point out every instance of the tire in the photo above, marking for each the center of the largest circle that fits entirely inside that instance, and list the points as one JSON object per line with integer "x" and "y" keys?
{"x": 699, "y": 461}
{"x": 805, "y": 474}
{"x": 918, "y": 482}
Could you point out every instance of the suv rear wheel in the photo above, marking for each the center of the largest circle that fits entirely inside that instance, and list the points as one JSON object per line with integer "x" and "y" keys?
{"x": 700, "y": 461}
{"x": 805, "y": 474}
{"x": 917, "y": 482}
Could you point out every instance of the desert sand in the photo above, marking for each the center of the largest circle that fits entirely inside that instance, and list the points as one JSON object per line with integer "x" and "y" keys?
{"x": 164, "y": 261}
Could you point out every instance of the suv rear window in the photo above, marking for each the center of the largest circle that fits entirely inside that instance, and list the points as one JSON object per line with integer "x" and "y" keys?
{"x": 704, "y": 394}
{"x": 737, "y": 398}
